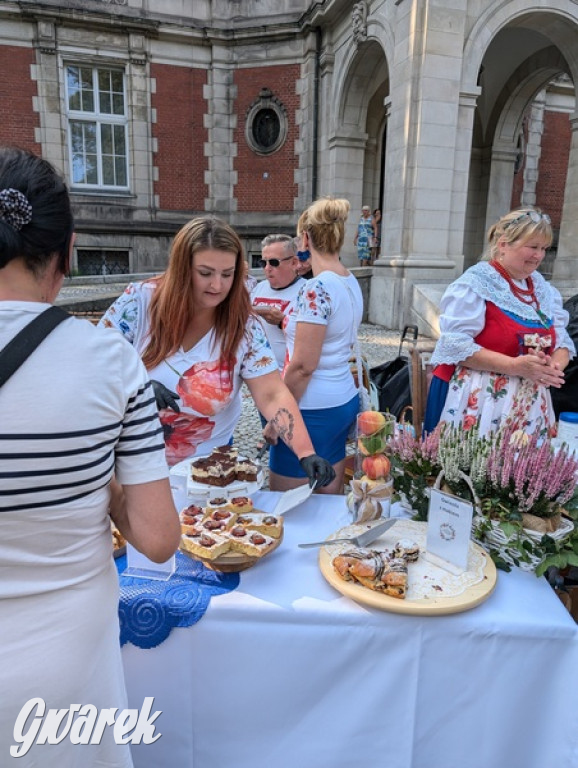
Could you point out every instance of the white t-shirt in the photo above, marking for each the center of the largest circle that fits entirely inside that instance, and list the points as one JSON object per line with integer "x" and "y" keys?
{"x": 210, "y": 395}
{"x": 284, "y": 300}
{"x": 337, "y": 303}
{"x": 78, "y": 409}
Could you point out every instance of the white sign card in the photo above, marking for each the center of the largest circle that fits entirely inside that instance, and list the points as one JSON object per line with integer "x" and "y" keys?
{"x": 138, "y": 566}
{"x": 449, "y": 531}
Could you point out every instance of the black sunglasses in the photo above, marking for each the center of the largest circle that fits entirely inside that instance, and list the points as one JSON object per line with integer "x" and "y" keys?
{"x": 273, "y": 262}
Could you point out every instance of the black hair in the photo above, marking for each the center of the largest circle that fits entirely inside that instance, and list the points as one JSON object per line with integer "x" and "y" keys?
{"x": 51, "y": 226}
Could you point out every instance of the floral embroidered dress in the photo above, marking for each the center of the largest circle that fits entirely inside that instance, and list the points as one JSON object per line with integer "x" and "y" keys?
{"x": 365, "y": 237}
{"x": 478, "y": 310}
{"x": 210, "y": 393}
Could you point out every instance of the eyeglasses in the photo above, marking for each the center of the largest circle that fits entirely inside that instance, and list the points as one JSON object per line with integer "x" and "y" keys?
{"x": 533, "y": 216}
{"x": 303, "y": 255}
{"x": 273, "y": 262}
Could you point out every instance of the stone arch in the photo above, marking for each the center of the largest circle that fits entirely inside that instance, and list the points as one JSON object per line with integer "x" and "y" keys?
{"x": 549, "y": 36}
{"x": 359, "y": 124}
{"x": 528, "y": 79}
{"x": 556, "y": 21}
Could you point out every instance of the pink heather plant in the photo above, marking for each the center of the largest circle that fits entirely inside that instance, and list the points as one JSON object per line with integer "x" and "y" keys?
{"x": 416, "y": 455}
{"x": 523, "y": 474}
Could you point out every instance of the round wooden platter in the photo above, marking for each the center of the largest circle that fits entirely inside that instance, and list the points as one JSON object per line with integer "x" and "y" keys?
{"x": 232, "y": 562}
{"x": 433, "y": 605}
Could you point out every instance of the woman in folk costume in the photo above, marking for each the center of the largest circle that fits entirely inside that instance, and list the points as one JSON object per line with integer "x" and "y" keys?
{"x": 503, "y": 339}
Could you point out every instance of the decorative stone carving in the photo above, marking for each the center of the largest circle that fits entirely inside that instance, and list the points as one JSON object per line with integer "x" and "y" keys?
{"x": 46, "y": 37}
{"x": 266, "y": 123}
{"x": 359, "y": 22}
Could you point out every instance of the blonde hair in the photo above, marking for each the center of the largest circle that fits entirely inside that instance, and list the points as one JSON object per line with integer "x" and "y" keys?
{"x": 519, "y": 225}
{"x": 324, "y": 222}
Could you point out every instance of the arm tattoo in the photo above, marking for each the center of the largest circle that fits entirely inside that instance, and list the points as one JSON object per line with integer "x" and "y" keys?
{"x": 284, "y": 423}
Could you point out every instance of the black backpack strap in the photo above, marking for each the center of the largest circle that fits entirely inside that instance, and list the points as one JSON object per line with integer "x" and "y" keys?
{"x": 25, "y": 342}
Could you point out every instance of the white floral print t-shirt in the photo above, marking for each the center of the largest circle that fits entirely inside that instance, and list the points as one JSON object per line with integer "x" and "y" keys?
{"x": 209, "y": 392}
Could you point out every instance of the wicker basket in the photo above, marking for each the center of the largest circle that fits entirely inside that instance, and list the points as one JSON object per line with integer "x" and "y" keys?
{"x": 439, "y": 485}
{"x": 496, "y": 539}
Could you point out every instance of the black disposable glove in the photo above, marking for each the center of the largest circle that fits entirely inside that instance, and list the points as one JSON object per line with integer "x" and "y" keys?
{"x": 164, "y": 397}
{"x": 317, "y": 469}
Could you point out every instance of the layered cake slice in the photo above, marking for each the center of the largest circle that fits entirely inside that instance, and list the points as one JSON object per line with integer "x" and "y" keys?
{"x": 200, "y": 470}
{"x": 246, "y": 471}
{"x": 224, "y": 452}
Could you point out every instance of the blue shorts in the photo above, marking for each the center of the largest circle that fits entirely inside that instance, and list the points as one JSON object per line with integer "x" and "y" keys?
{"x": 328, "y": 429}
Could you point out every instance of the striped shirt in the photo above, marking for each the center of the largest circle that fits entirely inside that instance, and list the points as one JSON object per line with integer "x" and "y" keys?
{"x": 79, "y": 410}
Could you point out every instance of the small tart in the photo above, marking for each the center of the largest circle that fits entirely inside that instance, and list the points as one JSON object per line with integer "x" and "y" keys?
{"x": 207, "y": 544}
{"x": 241, "y": 504}
{"x": 254, "y": 544}
{"x": 216, "y": 502}
{"x": 190, "y": 518}
{"x": 213, "y": 526}
{"x": 264, "y": 522}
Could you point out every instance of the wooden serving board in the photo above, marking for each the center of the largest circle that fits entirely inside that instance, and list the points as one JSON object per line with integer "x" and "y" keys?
{"x": 430, "y": 605}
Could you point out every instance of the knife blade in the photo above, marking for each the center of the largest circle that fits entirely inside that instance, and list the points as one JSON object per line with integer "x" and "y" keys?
{"x": 361, "y": 539}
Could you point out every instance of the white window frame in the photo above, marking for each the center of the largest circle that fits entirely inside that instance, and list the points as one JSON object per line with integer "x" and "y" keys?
{"x": 98, "y": 119}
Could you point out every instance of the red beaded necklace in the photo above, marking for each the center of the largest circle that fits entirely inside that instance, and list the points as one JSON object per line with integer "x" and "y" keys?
{"x": 525, "y": 295}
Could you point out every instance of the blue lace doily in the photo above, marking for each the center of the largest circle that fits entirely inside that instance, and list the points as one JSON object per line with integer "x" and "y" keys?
{"x": 148, "y": 609}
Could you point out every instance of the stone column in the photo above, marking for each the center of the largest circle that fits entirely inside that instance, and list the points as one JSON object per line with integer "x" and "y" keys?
{"x": 565, "y": 276}
{"x": 533, "y": 149}
{"x": 346, "y": 157}
{"x": 501, "y": 180}
{"x": 462, "y": 163}
{"x": 420, "y": 173}
{"x": 138, "y": 107}
{"x": 52, "y": 133}
{"x": 220, "y": 121}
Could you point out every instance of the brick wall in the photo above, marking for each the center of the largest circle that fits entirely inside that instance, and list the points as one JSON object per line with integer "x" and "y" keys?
{"x": 276, "y": 191}
{"x": 180, "y": 160}
{"x": 18, "y": 120}
{"x": 553, "y": 166}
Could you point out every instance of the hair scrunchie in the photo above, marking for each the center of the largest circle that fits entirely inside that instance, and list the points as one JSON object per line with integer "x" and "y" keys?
{"x": 15, "y": 209}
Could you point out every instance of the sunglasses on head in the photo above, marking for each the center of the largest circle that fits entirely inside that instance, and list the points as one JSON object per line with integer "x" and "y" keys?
{"x": 534, "y": 216}
{"x": 272, "y": 262}
{"x": 303, "y": 255}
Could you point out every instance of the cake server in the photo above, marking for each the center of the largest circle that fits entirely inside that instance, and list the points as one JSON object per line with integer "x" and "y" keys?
{"x": 361, "y": 540}
{"x": 292, "y": 498}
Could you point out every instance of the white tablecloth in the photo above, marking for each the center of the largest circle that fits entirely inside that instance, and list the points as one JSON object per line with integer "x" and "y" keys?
{"x": 284, "y": 672}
